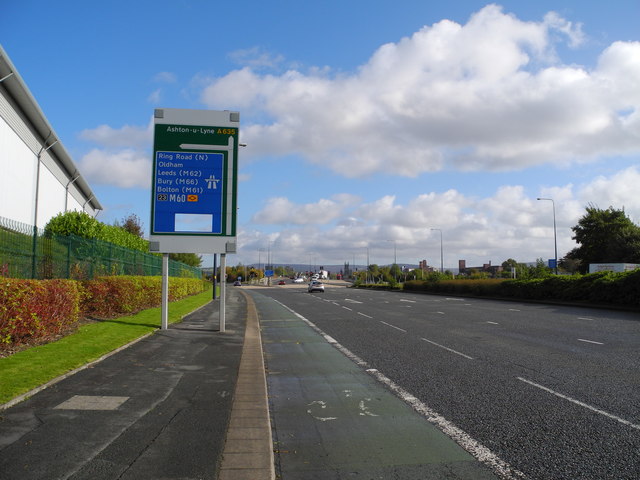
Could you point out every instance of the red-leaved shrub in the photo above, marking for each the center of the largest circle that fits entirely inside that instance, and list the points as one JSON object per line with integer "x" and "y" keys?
{"x": 33, "y": 309}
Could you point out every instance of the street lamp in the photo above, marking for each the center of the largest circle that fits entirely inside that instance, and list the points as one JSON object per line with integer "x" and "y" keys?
{"x": 395, "y": 257}
{"x": 441, "y": 251}
{"x": 367, "y": 274}
{"x": 555, "y": 236}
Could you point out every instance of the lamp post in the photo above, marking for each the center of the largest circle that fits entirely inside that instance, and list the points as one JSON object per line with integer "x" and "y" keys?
{"x": 441, "y": 250}
{"x": 395, "y": 257}
{"x": 555, "y": 235}
{"x": 367, "y": 274}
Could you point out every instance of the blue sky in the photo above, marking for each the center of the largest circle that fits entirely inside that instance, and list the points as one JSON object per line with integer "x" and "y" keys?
{"x": 367, "y": 123}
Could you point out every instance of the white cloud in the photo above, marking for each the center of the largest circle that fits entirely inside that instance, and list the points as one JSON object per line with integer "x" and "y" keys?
{"x": 281, "y": 211}
{"x": 618, "y": 191}
{"x": 256, "y": 57}
{"x": 165, "y": 77}
{"x": 155, "y": 96}
{"x": 127, "y": 136}
{"x": 487, "y": 95}
{"x": 125, "y": 168}
{"x": 509, "y": 223}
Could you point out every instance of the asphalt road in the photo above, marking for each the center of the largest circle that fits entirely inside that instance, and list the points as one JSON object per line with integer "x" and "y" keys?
{"x": 553, "y": 391}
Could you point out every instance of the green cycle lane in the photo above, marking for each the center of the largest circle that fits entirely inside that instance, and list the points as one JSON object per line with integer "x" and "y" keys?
{"x": 333, "y": 420}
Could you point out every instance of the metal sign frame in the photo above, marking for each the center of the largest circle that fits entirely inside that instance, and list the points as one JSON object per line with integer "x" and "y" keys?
{"x": 194, "y": 181}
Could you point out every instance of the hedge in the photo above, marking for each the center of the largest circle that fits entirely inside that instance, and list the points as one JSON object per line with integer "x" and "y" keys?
{"x": 605, "y": 288}
{"x": 31, "y": 310}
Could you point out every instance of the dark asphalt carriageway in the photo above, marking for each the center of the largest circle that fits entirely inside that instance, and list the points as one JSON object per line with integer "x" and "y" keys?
{"x": 332, "y": 419}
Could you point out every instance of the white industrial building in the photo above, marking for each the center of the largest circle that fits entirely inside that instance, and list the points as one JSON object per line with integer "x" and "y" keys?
{"x": 38, "y": 178}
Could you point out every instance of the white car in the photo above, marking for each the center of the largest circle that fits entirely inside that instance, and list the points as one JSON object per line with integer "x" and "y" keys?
{"x": 315, "y": 286}
{"x": 298, "y": 280}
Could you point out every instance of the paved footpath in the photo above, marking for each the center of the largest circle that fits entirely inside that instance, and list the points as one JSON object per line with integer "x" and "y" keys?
{"x": 160, "y": 409}
{"x": 331, "y": 419}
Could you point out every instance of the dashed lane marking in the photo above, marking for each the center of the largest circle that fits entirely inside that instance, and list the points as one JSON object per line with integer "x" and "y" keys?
{"x": 393, "y": 326}
{"x": 590, "y": 341}
{"x": 448, "y": 349}
{"x": 582, "y": 404}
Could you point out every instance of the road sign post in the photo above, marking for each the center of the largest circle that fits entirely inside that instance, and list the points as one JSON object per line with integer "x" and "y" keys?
{"x": 194, "y": 187}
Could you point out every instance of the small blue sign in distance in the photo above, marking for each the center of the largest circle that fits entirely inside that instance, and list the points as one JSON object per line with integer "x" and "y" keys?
{"x": 188, "y": 192}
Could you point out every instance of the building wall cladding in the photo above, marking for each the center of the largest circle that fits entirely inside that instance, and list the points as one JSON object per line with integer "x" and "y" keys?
{"x": 20, "y": 148}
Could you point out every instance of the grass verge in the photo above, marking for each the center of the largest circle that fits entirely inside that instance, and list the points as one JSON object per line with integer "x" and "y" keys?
{"x": 36, "y": 366}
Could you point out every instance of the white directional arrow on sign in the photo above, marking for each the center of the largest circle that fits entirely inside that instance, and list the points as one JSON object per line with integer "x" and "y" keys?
{"x": 195, "y": 146}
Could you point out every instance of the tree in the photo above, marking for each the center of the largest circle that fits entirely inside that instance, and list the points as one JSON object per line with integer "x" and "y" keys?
{"x": 509, "y": 264}
{"x": 605, "y": 236}
{"x": 132, "y": 224}
{"x": 190, "y": 259}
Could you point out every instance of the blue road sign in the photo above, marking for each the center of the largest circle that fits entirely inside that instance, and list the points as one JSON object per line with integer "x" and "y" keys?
{"x": 188, "y": 192}
{"x": 194, "y": 182}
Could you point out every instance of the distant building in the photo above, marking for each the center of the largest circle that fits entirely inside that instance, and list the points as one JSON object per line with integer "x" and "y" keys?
{"x": 347, "y": 272}
{"x": 424, "y": 266}
{"x": 39, "y": 179}
{"x": 612, "y": 267}
{"x": 493, "y": 270}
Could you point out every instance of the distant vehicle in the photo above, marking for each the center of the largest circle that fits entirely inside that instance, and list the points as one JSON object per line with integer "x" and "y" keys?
{"x": 315, "y": 276}
{"x": 315, "y": 286}
{"x": 298, "y": 280}
{"x": 282, "y": 282}
{"x": 237, "y": 283}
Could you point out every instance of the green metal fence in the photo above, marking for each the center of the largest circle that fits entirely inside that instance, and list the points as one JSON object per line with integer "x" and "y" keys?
{"x": 26, "y": 252}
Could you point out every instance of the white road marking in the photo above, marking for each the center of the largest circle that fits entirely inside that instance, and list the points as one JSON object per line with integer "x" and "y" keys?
{"x": 393, "y": 326}
{"x": 364, "y": 410}
{"x": 350, "y": 300}
{"x": 514, "y": 310}
{"x": 475, "y": 448}
{"x": 448, "y": 349}
{"x": 410, "y": 301}
{"x": 590, "y": 341}
{"x": 479, "y": 451}
{"x": 582, "y": 404}
{"x": 347, "y": 308}
{"x": 585, "y": 318}
{"x": 364, "y": 315}
{"x": 494, "y": 323}
{"x": 322, "y": 405}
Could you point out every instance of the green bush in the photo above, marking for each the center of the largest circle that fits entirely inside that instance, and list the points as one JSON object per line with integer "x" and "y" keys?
{"x": 601, "y": 288}
{"x": 84, "y": 225}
